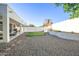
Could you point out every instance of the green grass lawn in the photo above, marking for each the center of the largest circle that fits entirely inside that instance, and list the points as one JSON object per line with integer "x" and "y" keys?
{"x": 31, "y": 34}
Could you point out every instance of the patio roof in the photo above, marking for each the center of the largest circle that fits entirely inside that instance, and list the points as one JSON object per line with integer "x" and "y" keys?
{"x": 12, "y": 14}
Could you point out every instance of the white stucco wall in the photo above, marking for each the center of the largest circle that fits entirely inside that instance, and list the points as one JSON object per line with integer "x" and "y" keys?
{"x": 70, "y": 25}
{"x": 33, "y": 29}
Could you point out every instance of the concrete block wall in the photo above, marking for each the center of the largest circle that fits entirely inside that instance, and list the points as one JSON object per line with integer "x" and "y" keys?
{"x": 33, "y": 29}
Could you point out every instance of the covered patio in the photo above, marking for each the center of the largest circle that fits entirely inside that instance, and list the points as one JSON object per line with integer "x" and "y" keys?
{"x": 16, "y": 28}
{"x": 11, "y": 25}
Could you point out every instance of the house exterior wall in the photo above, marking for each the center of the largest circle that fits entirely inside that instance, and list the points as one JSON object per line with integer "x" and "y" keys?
{"x": 8, "y": 13}
{"x": 5, "y": 20}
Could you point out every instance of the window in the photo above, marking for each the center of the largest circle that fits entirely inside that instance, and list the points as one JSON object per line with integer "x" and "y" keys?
{"x": 1, "y": 26}
{"x": 1, "y": 34}
{"x": 1, "y": 38}
{"x": 10, "y": 11}
{"x": 1, "y": 23}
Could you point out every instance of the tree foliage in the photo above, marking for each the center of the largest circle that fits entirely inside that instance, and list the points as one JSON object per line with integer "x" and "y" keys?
{"x": 72, "y": 8}
{"x": 47, "y": 22}
{"x": 31, "y": 25}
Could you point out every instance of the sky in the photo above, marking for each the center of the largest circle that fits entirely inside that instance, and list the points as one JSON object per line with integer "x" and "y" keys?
{"x": 37, "y": 13}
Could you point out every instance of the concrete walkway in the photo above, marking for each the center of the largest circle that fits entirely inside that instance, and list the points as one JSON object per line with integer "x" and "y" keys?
{"x": 65, "y": 35}
{"x": 46, "y": 45}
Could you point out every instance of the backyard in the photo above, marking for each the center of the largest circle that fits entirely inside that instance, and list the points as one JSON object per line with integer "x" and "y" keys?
{"x": 44, "y": 31}
{"x": 31, "y": 34}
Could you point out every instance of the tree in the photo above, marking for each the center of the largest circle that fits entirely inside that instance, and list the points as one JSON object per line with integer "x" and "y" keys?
{"x": 47, "y": 22}
{"x": 72, "y": 8}
{"x": 31, "y": 25}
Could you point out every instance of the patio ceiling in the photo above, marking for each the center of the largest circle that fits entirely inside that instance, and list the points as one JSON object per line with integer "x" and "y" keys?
{"x": 15, "y": 22}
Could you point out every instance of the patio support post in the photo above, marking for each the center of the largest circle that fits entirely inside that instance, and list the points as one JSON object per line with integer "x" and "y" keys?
{"x": 6, "y": 25}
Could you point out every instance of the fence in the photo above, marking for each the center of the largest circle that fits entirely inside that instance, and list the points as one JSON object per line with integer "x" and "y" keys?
{"x": 33, "y": 29}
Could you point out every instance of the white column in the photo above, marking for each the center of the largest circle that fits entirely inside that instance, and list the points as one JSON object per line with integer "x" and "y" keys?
{"x": 6, "y": 25}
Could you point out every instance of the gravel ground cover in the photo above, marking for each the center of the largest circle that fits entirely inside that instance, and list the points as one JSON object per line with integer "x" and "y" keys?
{"x": 45, "y": 45}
